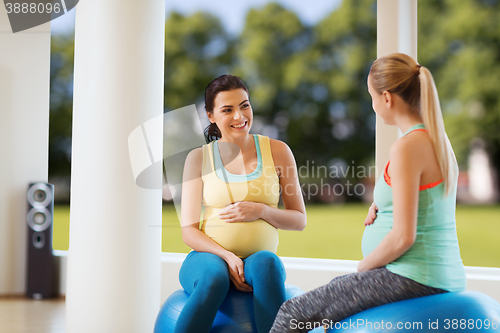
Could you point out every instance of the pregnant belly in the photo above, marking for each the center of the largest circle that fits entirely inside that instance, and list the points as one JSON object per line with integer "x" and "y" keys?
{"x": 374, "y": 234}
{"x": 242, "y": 238}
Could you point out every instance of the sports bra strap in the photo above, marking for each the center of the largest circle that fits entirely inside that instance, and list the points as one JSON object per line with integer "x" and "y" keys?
{"x": 418, "y": 127}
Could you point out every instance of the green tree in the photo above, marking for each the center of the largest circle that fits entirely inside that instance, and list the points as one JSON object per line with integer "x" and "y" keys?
{"x": 197, "y": 50}
{"x": 61, "y": 105}
{"x": 310, "y": 82}
{"x": 270, "y": 37}
{"x": 460, "y": 42}
{"x": 344, "y": 50}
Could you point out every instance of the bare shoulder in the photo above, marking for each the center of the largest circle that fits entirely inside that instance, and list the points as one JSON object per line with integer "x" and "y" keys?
{"x": 283, "y": 158}
{"x": 194, "y": 161}
{"x": 281, "y": 151}
{"x": 195, "y": 155}
{"x": 414, "y": 148}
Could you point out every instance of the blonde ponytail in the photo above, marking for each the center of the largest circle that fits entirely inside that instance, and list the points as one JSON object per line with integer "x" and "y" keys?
{"x": 433, "y": 121}
{"x": 400, "y": 74}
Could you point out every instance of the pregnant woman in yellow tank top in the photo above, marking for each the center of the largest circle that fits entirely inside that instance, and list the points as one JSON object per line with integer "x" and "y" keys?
{"x": 238, "y": 178}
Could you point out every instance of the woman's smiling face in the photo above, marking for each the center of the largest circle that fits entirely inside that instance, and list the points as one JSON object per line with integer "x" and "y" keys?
{"x": 232, "y": 113}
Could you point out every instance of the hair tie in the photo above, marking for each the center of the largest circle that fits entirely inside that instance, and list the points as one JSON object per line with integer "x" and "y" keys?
{"x": 418, "y": 68}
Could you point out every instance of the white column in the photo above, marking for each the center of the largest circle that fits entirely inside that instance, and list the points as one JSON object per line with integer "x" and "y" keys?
{"x": 24, "y": 135}
{"x": 396, "y": 32}
{"x": 113, "y": 274}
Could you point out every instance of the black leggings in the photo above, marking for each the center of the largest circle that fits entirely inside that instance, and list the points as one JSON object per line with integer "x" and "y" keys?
{"x": 346, "y": 295}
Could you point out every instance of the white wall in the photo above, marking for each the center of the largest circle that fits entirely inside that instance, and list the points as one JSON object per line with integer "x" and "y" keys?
{"x": 24, "y": 126}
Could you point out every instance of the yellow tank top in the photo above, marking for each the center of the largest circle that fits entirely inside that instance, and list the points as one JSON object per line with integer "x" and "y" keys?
{"x": 241, "y": 238}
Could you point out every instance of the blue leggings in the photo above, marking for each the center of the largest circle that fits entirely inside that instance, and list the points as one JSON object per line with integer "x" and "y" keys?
{"x": 205, "y": 277}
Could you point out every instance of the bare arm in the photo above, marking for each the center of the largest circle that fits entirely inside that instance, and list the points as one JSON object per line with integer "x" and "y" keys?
{"x": 293, "y": 217}
{"x": 405, "y": 171}
{"x": 190, "y": 220}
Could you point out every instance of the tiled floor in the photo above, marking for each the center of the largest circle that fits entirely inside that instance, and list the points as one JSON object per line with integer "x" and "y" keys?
{"x": 22, "y": 315}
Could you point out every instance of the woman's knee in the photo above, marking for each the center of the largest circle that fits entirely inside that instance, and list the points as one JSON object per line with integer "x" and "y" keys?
{"x": 265, "y": 263}
{"x": 264, "y": 256}
{"x": 205, "y": 270}
{"x": 215, "y": 278}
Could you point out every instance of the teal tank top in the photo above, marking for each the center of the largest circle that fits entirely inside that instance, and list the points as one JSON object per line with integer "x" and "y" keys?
{"x": 434, "y": 259}
{"x": 222, "y": 173}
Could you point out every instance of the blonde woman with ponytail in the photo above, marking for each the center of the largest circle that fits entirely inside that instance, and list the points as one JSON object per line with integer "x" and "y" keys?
{"x": 410, "y": 244}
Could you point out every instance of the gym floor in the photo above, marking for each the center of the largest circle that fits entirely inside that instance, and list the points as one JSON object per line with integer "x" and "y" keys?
{"x": 22, "y": 315}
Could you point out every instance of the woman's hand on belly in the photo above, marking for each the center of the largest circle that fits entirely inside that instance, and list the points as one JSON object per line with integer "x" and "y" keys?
{"x": 237, "y": 272}
{"x": 372, "y": 214}
{"x": 242, "y": 211}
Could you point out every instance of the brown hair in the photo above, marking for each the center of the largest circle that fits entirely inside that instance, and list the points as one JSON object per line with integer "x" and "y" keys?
{"x": 400, "y": 74}
{"x": 222, "y": 83}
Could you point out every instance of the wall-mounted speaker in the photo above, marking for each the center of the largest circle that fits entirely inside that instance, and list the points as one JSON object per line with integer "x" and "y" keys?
{"x": 42, "y": 271}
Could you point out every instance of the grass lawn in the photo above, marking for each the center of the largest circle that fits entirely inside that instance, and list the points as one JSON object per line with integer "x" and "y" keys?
{"x": 334, "y": 232}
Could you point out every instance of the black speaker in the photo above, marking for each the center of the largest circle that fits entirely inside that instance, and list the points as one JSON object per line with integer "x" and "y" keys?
{"x": 42, "y": 271}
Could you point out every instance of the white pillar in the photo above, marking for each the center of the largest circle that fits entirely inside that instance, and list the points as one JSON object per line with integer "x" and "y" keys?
{"x": 113, "y": 275}
{"x": 396, "y": 32}
{"x": 24, "y": 137}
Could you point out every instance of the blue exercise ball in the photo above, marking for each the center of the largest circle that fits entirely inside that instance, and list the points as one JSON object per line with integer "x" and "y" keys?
{"x": 468, "y": 311}
{"x": 235, "y": 315}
